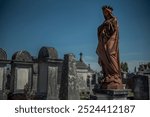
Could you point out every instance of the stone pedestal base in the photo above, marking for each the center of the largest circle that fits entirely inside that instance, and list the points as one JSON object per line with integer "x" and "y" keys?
{"x": 112, "y": 94}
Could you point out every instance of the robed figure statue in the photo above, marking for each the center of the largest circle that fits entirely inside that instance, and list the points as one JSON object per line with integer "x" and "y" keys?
{"x": 108, "y": 50}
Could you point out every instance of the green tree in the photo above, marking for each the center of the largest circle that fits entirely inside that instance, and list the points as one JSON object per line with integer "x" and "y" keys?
{"x": 124, "y": 66}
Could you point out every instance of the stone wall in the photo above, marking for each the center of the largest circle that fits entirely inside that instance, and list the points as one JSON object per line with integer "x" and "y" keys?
{"x": 69, "y": 89}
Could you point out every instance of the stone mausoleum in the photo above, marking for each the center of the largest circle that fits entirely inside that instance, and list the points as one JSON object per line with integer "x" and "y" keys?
{"x": 44, "y": 77}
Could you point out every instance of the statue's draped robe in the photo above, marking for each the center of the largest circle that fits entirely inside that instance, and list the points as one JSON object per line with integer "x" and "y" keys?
{"x": 108, "y": 53}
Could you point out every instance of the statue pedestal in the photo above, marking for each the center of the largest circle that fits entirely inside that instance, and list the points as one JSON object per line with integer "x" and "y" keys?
{"x": 112, "y": 94}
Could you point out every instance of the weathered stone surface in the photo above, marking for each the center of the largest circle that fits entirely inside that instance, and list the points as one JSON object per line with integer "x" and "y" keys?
{"x": 141, "y": 87}
{"x": 21, "y": 72}
{"x": 22, "y": 78}
{"x": 82, "y": 82}
{"x": 49, "y": 74}
{"x": 47, "y": 52}
{"x": 42, "y": 78}
{"x": 1, "y": 77}
{"x": 35, "y": 78}
{"x": 69, "y": 84}
{"x": 113, "y": 94}
{"x": 82, "y": 74}
{"x": 22, "y": 56}
{"x": 3, "y": 81}
{"x": 3, "y": 74}
{"x": 52, "y": 91}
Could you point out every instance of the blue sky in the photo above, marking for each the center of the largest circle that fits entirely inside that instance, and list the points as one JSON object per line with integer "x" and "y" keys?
{"x": 71, "y": 27}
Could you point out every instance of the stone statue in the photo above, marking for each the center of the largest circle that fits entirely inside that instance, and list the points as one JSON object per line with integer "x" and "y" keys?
{"x": 108, "y": 51}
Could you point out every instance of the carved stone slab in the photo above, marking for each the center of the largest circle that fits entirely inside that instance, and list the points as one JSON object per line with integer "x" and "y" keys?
{"x": 52, "y": 92}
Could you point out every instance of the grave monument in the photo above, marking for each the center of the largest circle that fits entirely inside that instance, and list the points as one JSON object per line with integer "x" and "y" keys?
{"x": 108, "y": 53}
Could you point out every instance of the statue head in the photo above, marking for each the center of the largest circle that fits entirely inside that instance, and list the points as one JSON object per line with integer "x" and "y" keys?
{"x": 107, "y": 11}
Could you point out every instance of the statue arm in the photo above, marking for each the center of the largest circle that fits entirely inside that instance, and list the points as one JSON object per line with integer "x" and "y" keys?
{"x": 111, "y": 27}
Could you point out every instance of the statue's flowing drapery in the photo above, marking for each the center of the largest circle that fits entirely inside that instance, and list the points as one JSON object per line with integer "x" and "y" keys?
{"x": 108, "y": 53}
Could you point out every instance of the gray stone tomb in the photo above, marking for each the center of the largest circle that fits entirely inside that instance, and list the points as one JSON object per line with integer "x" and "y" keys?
{"x": 22, "y": 67}
{"x": 49, "y": 75}
{"x": 3, "y": 74}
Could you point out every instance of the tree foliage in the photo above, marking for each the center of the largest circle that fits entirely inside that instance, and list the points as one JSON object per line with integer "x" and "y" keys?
{"x": 124, "y": 66}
